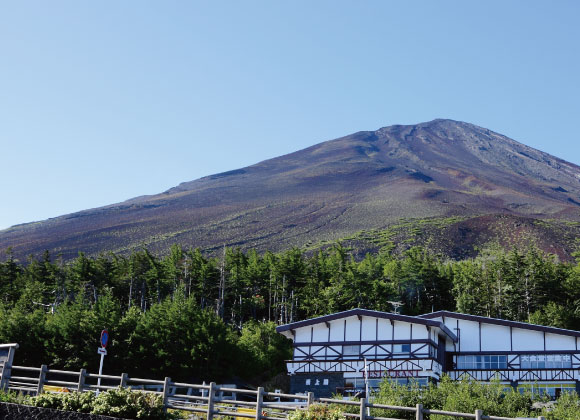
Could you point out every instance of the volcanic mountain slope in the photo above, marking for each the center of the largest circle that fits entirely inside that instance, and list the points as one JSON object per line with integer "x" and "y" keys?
{"x": 367, "y": 180}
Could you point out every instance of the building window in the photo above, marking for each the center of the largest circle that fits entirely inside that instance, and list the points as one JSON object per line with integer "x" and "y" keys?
{"x": 325, "y": 382}
{"x": 485, "y": 362}
{"x": 308, "y": 382}
{"x": 433, "y": 352}
{"x": 545, "y": 361}
{"x": 351, "y": 352}
{"x": 401, "y": 348}
{"x": 553, "y": 390}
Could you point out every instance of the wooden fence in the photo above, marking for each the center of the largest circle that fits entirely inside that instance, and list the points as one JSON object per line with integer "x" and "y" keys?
{"x": 207, "y": 400}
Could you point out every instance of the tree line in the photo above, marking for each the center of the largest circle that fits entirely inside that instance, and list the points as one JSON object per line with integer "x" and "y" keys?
{"x": 190, "y": 316}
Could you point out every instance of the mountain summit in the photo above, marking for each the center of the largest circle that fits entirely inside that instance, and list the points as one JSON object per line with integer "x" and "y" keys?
{"x": 366, "y": 180}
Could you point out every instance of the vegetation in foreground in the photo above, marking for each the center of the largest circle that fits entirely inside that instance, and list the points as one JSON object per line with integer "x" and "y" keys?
{"x": 319, "y": 412}
{"x": 120, "y": 402}
{"x": 463, "y": 397}
{"x": 193, "y": 318}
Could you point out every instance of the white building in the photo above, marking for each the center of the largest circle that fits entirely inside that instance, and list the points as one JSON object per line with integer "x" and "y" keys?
{"x": 330, "y": 351}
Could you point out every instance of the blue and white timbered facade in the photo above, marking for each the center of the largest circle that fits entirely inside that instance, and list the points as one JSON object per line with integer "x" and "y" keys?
{"x": 527, "y": 356}
{"x": 343, "y": 351}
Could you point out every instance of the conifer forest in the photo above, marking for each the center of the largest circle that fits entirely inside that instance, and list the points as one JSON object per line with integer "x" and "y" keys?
{"x": 193, "y": 317}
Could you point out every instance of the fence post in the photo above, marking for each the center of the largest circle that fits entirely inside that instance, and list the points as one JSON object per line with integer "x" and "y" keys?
{"x": 210, "y": 401}
{"x": 41, "y": 379}
{"x": 363, "y": 407}
{"x": 419, "y": 408}
{"x": 166, "y": 384}
{"x": 478, "y": 414}
{"x": 259, "y": 403}
{"x": 81, "y": 384}
{"x": 5, "y": 373}
{"x": 310, "y": 400}
{"x": 124, "y": 379}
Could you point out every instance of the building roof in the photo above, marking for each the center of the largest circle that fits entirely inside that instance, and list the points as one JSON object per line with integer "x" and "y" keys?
{"x": 369, "y": 313}
{"x": 513, "y": 324}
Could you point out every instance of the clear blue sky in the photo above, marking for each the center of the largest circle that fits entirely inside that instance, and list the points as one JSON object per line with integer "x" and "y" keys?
{"x": 101, "y": 101}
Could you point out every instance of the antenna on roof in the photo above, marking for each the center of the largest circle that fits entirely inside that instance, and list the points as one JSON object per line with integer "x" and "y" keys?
{"x": 396, "y": 305}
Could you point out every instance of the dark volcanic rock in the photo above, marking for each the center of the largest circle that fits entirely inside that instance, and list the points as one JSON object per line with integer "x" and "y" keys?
{"x": 10, "y": 411}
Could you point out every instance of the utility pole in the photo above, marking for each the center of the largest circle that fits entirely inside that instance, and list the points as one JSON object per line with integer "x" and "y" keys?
{"x": 396, "y": 305}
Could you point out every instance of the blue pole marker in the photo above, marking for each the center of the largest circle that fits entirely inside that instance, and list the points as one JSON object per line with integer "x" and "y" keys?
{"x": 104, "y": 338}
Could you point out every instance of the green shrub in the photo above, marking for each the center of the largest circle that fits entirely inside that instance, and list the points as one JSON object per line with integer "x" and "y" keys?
{"x": 122, "y": 402}
{"x": 13, "y": 397}
{"x": 318, "y": 412}
{"x": 67, "y": 401}
{"x": 465, "y": 396}
{"x": 493, "y": 398}
{"x": 566, "y": 408}
{"x": 392, "y": 393}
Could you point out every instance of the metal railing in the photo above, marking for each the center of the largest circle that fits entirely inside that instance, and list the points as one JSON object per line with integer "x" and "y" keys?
{"x": 209, "y": 400}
